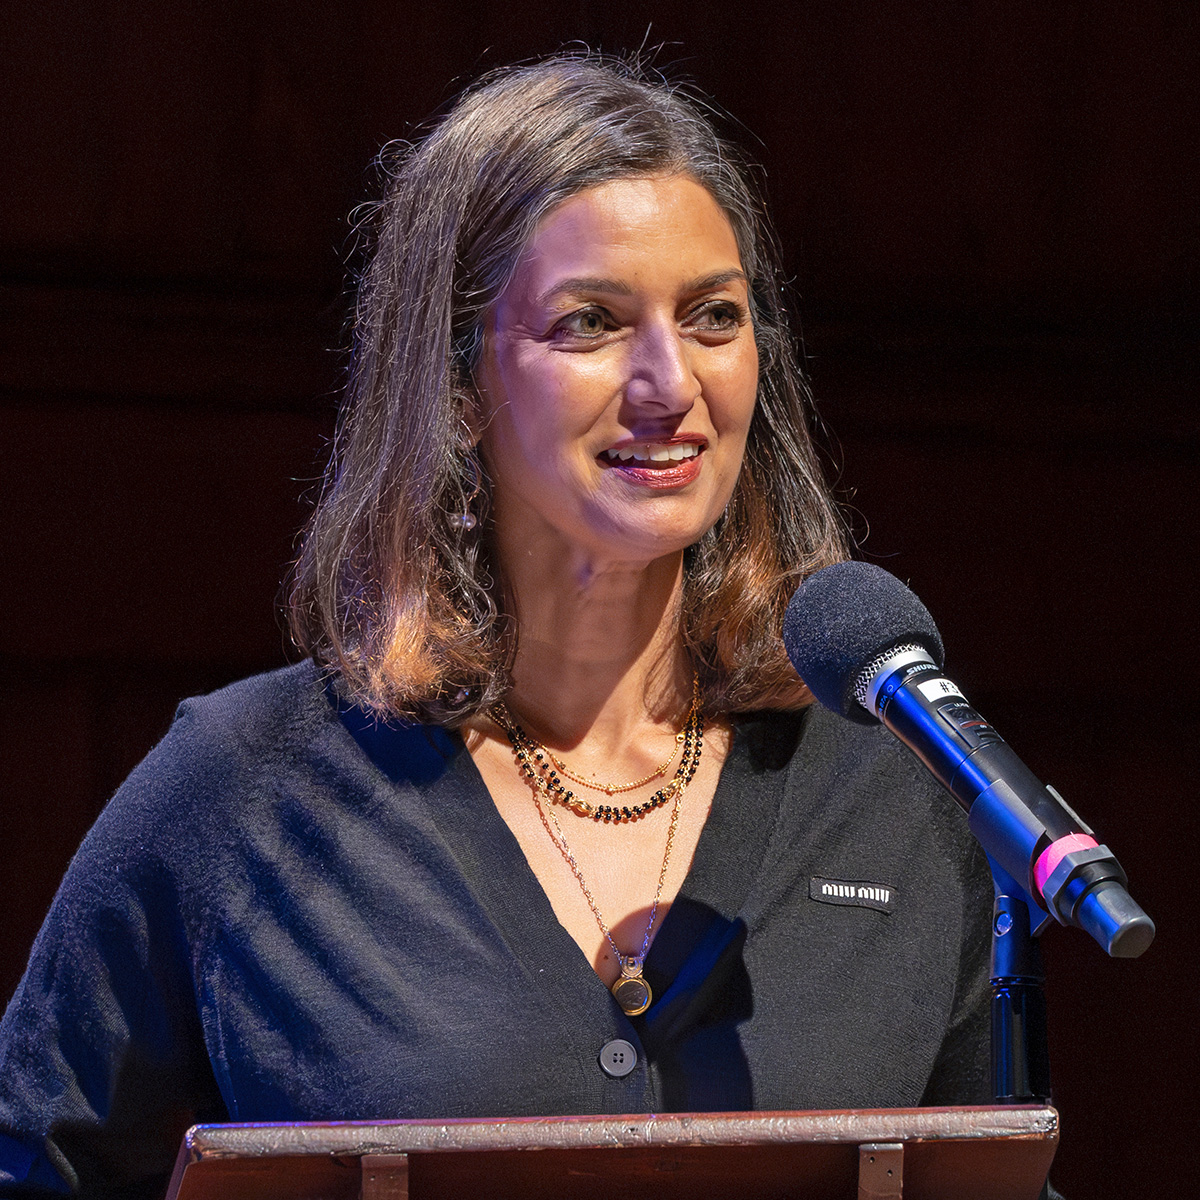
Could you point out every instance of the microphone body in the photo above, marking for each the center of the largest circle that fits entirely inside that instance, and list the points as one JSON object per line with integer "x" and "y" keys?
{"x": 894, "y": 675}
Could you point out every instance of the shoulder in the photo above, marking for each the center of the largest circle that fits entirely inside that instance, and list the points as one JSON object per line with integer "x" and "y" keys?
{"x": 813, "y": 741}
{"x": 874, "y": 760}
{"x": 224, "y": 753}
{"x": 256, "y": 714}
{"x": 858, "y": 781}
{"x": 255, "y": 723}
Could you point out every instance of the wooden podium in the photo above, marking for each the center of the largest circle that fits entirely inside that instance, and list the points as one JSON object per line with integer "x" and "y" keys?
{"x": 989, "y": 1153}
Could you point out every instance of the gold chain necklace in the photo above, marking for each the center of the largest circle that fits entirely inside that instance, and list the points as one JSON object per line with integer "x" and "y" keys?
{"x": 612, "y": 789}
{"x": 632, "y": 992}
{"x": 540, "y": 767}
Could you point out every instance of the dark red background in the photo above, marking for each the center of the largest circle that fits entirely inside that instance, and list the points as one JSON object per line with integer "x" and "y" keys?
{"x": 989, "y": 210}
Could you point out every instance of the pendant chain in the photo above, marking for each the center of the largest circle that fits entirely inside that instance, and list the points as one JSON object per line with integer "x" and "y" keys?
{"x": 631, "y": 991}
{"x": 560, "y": 840}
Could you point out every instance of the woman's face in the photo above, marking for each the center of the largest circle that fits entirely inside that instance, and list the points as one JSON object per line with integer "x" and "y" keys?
{"x": 618, "y": 374}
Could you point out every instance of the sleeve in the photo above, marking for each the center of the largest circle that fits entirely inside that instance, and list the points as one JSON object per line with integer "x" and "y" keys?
{"x": 102, "y": 1058}
{"x": 962, "y": 1071}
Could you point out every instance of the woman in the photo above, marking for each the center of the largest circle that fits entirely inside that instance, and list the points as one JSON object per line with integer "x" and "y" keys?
{"x": 546, "y": 825}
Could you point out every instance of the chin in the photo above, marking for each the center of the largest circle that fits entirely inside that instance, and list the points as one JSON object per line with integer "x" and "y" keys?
{"x": 639, "y": 533}
{"x": 650, "y": 545}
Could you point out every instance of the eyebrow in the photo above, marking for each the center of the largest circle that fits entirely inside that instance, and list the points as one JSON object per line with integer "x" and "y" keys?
{"x": 615, "y": 287}
{"x": 584, "y": 283}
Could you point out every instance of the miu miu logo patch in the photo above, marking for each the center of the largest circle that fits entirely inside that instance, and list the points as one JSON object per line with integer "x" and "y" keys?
{"x": 852, "y": 891}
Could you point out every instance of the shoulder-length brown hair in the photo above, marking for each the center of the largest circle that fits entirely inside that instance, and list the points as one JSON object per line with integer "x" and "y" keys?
{"x": 392, "y": 589}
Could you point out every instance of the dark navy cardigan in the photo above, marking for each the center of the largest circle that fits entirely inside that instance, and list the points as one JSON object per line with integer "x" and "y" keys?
{"x": 283, "y": 915}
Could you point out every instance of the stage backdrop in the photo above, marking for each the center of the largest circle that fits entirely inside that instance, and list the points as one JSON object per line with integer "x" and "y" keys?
{"x": 988, "y": 211}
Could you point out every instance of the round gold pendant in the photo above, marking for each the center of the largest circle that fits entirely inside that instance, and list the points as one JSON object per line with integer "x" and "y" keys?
{"x": 633, "y": 994}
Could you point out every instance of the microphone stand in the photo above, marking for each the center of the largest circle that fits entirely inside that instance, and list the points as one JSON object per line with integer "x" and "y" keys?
{"x": 1020, "y": 1056}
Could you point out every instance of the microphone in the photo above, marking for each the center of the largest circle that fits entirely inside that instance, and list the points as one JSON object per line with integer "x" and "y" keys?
{"x": 868, "y": 649}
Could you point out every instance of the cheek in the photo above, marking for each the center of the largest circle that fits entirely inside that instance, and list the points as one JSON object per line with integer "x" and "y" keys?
{"x": 531, "y": 443}
{"x": 556, "y": 407}
{"x": 736, "y": 394}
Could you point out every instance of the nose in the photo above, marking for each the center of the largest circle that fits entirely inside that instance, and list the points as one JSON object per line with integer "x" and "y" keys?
{"x": 661, "y": 374}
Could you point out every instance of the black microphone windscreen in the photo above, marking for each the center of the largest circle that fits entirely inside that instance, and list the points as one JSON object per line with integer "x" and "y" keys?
{"x": 841, "y": 618}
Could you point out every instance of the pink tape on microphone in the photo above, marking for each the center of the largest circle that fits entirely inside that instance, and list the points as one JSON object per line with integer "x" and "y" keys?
{"x": 1055, "y": 853}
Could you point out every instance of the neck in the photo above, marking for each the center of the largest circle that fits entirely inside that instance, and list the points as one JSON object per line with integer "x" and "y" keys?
{"x": 599, "y": 651}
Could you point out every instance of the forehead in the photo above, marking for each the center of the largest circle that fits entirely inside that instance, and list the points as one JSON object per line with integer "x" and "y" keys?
{"x": 635, "y": 228}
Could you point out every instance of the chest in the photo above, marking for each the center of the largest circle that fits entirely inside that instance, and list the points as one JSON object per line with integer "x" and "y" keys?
{"x": 388, "y": 954}
{"x": 429, "y": 1000}
{"x": 601, "y": 876}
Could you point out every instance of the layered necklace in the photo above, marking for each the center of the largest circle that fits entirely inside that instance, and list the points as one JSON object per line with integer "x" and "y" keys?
{"x": 542, "y": 769}
{"x": 545, "y": 771}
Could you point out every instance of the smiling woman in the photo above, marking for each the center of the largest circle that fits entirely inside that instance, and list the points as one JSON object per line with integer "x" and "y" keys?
{"x": 547, "y": 792}
{"x": 477, "y": 250}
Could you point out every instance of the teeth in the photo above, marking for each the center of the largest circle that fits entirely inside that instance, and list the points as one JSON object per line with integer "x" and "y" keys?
{"x": 650, "y": 452}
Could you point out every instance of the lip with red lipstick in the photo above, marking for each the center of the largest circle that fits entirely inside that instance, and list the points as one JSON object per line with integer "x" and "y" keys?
{"x": 661, "y": 462}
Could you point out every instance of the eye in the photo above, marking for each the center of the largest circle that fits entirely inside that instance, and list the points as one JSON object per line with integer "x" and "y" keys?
{"x": 587, "y": 323}
{"x": 718, "y": 316}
